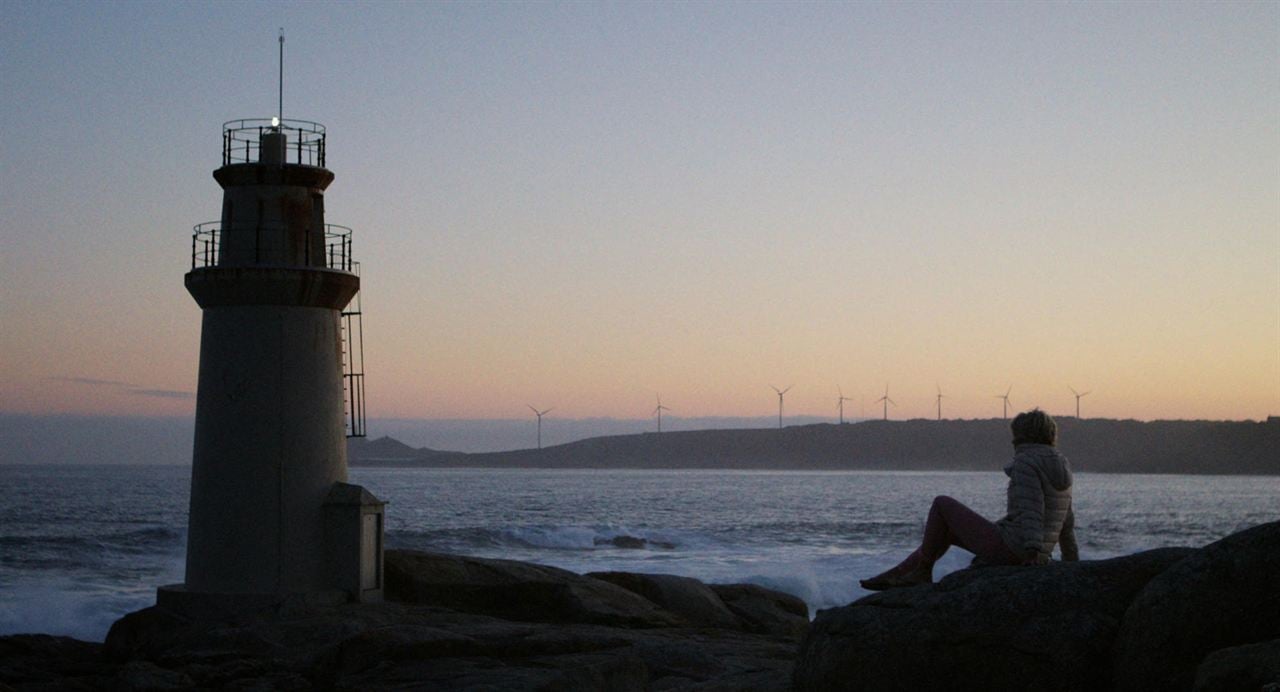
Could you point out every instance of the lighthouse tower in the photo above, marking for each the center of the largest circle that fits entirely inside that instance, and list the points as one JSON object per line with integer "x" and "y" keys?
{"x": 272, "y": 518}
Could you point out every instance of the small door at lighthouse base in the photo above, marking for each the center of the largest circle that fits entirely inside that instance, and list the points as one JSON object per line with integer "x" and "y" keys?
{"x": 370, "y": 550}
{"x": 353, "y": 536}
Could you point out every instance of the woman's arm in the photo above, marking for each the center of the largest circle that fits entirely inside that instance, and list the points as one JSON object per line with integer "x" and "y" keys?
{"x": 1067, "y": 539}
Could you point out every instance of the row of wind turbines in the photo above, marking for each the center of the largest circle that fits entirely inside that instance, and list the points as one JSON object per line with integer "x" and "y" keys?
{"x": 884, "y": 400}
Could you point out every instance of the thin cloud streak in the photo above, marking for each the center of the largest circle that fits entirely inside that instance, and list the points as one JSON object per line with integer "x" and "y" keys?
{"x": 93, "y": 382}
{"x": 127, "y": 387}
{"x": 163, "y": 393}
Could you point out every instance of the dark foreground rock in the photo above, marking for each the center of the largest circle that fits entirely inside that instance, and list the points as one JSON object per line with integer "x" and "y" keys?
{"x": 1166, "y": 619}
{"x": 401, "y": 646}
{"x": 1002, "y": 628}
{"x": 1226, "y": 595}
{"x": 453, "y": 623}
{"x": 46, "y": 662}
{"x": 1248, "y": 667}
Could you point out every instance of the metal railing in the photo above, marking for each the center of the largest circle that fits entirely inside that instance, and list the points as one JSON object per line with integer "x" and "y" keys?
{"x": 337, "y": 248}
{"x": 206, "y": 248}
{"x": 204, "y": 244}
{"x": 241, "y": 140}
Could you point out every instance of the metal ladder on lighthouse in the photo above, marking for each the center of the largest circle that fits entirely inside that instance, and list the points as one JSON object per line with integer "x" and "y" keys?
{"x": 352, "y": 324}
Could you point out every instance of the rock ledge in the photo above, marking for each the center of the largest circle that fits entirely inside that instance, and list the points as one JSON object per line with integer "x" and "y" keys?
{"x": 1148, "y": 621}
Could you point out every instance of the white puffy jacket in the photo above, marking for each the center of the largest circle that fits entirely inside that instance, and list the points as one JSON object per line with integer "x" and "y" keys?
{"x": 1039, "y": 515}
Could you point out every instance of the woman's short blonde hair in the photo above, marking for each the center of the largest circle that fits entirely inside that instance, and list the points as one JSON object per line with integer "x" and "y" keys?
{"x": 1034, "y": 426}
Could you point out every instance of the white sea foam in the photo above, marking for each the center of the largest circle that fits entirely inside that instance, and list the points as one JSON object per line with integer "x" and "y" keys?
{"x": 557, "y": 538}
{"x": 833, "y": 581}
{"x": 577, "y": 537}
{"x": 62, "y": 606}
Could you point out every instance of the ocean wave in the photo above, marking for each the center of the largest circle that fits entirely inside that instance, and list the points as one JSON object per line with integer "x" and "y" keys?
{"x": 869, "y": 527}
{"x": 871, "y": 534}
{"x": 144, "y": 540}
{"x": 74, "y": 550}
{"x": 551, "y": 538}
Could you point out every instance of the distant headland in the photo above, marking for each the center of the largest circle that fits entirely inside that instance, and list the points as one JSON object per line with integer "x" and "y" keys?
{"x": 1093, "y": 445}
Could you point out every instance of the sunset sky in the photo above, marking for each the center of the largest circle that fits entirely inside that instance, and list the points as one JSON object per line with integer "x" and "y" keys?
{"x": 583, "y": 205}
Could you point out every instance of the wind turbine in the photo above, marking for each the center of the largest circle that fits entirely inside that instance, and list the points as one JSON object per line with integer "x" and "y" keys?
{"x": 539, "y": 414}
{"x": 659, "y": 411}
{"x": 940, "y": 398}
{"x": 1079, "y": 396}
{"x": 886, "y": 401}
{"x": 780, "y": 393}
{"x": 840, "y": 403}
{"x": 1005, "y": 396}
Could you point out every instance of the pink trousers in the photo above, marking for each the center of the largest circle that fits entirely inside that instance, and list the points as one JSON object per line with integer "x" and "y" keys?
{"x": 951, "y": 523}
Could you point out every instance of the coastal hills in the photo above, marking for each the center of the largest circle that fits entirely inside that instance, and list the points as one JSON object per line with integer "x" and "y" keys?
{"x": 1093, "y": 445}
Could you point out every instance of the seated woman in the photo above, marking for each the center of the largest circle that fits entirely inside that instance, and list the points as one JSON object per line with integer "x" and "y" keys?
{"x": 1039, "y": 514}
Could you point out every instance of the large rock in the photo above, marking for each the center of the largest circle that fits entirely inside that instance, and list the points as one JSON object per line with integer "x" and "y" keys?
{"x": 396, "y": 646}
{"x": 764, "y": 610}
{"x": 1046, "y": 627}
{"x": 694, "y": 602}
{"x": 34, "y": 661}
{"x": 746, "y": 607}
{"x": 1226, "y": 595}
{"x": 516, "y": 590}
{"x": 498, "y": 655}
{"x": 425, "y": 651}
{"x": 1248, "y": 667}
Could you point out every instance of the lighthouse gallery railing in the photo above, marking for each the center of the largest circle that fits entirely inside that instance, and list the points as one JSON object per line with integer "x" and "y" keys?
{"x": 206, "y": 248}
{"x": 241, "y": 138}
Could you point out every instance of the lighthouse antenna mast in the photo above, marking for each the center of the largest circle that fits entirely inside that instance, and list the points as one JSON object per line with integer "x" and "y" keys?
{"x": 280, "y": 91}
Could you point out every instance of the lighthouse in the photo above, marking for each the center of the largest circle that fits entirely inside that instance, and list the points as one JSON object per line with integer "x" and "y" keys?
{"x": 272, "y": 517}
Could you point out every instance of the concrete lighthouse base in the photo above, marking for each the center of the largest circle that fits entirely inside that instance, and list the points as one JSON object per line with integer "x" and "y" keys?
{"x": 352, "y": 538}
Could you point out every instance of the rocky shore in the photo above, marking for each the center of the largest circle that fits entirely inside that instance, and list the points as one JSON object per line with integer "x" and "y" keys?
{"x": 449, "y": 623}
{"x": 1166, "y": 619}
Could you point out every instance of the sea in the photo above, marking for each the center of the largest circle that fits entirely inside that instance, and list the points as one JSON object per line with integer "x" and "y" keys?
{"x": 81, "y": 546}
